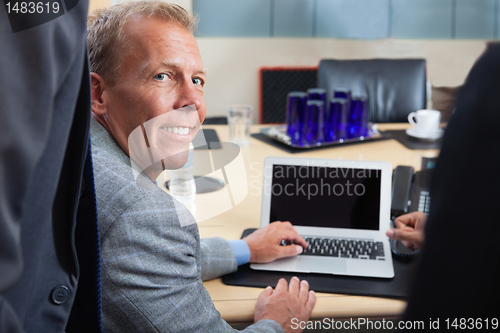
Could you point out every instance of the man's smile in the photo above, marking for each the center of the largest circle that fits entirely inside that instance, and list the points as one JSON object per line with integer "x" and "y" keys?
{"x": 178, "y": 130}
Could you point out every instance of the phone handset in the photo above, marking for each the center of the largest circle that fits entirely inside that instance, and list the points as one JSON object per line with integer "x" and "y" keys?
{"x": 401, "y": 188}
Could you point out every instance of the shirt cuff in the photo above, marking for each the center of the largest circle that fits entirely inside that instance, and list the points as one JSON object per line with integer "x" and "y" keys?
{"x": 241, "y": 251}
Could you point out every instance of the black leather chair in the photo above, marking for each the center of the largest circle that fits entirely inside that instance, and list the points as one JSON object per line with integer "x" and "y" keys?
{"x": 395, "y": 87}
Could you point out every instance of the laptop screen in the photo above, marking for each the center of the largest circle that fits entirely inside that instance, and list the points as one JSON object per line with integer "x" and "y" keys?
{"x": 326, "y": 197}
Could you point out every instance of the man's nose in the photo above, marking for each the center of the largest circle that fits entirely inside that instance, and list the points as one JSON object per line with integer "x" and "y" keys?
{"x": 189, "y": 94}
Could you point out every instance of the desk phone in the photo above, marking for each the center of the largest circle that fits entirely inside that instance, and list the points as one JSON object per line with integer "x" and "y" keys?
{"x": 410, "y": 190}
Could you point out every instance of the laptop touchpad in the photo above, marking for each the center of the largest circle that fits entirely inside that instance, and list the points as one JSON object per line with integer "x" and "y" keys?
{"x": 321, "y": 264}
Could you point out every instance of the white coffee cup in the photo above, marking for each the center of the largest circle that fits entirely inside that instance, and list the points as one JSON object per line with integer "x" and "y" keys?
{"x": 426, "y": 122}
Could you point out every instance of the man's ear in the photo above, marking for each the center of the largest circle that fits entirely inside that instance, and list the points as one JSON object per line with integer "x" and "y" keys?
{"x": 98, "y": 86}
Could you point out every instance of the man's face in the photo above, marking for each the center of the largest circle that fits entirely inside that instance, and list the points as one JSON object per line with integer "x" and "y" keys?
{"x": 160, "y": 72}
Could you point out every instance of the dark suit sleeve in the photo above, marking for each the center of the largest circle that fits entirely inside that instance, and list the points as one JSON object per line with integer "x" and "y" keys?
{"x": 460, "y": 267}
{"x": 34, "y": 65}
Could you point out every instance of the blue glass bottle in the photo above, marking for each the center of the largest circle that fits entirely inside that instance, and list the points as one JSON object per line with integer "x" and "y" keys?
{"x": 319, "y": 94}
{"x": 313, "y": 133}
{"x": 357, "y": 122}
{"x": 296, "y": 112}
{"x": 343, "y": 93}
{"x": 336, "y": 120}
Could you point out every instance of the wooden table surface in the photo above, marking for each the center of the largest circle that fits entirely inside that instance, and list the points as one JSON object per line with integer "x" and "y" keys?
{"x": 236, "y": 304}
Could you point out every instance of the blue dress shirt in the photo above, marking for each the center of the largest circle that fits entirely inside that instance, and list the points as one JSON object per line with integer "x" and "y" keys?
{"x": 241, "y": 251}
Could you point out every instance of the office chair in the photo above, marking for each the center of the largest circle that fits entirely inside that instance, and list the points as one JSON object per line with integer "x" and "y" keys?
{"x": 394, "y": 87}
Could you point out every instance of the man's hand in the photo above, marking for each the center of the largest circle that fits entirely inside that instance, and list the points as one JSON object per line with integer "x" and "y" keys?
{"x": 409, "y": 230}
{"x": 265, "y": 246}
{"x": 285, "y": 303}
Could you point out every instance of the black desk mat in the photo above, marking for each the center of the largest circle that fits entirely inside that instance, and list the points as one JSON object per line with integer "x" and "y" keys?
{"x": 397, "y": 287}
{"x": 293, "y": 150}
{"x": 414, "y": 143}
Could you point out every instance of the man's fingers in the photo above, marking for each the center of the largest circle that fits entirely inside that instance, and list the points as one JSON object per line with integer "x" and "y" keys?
{"x": 266, "y": 292}
{"x": 404, "y": 235}
{"x": 286, "y": 231}
{"x": 310, "y": 302}
{"x": 410, "y": 239}
{"x": 282, "y": 225}
{"x": 289, "y": 251}
{"x": 403, "y": 222}
{"x": 407, "y": 220}
{"x": 411, "y": 219}
{"x": 293, "y": 287}
{"x": 418, "y": 216}
{"x": 304, "y": 292}
{"x": 281, "y": 285}
{"x": 394, "y": 233}
{"x": 390, "y": 233}
{"x": 408, "y": 245}
{"x": 293, "y": 236}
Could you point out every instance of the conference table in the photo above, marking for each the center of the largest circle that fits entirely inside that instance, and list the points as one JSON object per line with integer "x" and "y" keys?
{"x": 236, "y": 304}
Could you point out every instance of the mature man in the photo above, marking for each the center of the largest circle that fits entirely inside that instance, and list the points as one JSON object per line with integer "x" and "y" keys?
{"x": 146, "y": 66}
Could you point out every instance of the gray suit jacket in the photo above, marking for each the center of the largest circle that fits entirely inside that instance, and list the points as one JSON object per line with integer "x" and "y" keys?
{"x": 152, "y": 267}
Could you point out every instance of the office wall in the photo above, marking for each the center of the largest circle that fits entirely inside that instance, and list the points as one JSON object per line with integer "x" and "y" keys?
{"x": 95, "y": 4}
{"x": 233, "y": 62}
{"x": 358, "y": 19}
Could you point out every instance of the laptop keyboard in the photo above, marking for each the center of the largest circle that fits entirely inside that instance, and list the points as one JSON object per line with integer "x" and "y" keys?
{"x": 343, "y": 248}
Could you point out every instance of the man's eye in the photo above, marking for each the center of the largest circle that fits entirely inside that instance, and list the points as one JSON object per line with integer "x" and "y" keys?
{"x": 161, "y": 77}
{"x": 198, "y": 81}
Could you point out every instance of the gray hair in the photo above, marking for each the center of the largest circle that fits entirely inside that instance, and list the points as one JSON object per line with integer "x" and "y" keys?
{"x": 107, "y": 43}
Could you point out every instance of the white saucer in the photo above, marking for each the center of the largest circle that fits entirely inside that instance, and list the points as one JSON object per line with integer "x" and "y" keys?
{"x": 412, "y": 131}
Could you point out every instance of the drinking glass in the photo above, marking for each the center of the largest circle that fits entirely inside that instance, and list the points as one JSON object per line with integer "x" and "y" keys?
{"x": 336, "y": 120}
{"x": 296, "y": 109}
{"x": 343, "y": 93}
{"x": 358, "y": 118}
{"x": 313, "y": 131}
{"x": 240, "y": 120}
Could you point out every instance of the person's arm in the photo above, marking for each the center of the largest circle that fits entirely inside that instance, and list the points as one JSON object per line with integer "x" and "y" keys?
{"x": 152, "y": 280}
{"x": 409, "y": 230}
{"x": 264, "y": 243}
{"x": 151, "y": 266}
{"x": 220, "y": 257}
{"x": 217, "y": 258}
{"x": 241, "y": 251}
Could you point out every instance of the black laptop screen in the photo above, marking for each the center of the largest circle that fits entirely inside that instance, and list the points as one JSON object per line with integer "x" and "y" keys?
{"x": 326, "y": 197}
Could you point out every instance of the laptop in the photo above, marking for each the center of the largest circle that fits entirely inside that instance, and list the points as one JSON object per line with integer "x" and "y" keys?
{"x": 340, "y": 207}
